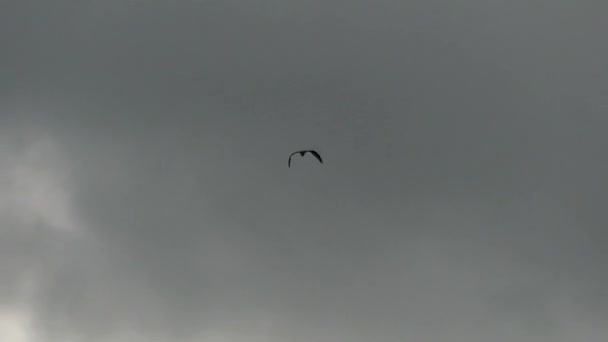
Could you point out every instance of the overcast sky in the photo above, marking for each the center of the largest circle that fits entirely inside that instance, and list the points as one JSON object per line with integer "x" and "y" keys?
{"x": 145, "y": 194}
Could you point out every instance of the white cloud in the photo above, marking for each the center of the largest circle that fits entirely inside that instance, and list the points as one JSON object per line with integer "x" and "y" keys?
{"x": 34, "y": 186}
{"x": 14, "y": 327}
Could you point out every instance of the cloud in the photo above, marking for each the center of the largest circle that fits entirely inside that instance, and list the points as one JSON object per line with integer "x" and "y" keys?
{"x": 145, "y": 195}
{"x": 14, "y": 327}
{"x": 34, "y": 191}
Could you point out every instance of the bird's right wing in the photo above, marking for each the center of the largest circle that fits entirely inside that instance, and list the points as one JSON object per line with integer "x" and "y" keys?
{"x": 291, "y": 155}
{"x": 289, "y": 159}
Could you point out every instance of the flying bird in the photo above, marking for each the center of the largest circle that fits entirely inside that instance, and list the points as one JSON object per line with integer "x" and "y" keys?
{"x": 302, "y": 153}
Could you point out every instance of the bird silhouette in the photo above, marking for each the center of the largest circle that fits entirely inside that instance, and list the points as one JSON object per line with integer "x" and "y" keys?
{"x": 302, "y": 153}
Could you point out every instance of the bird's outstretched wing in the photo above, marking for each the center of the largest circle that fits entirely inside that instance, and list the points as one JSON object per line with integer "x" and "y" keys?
{"x": 302, "y": 153}
{"x": 289, "y": 160}
{"x": 314, "y": 153}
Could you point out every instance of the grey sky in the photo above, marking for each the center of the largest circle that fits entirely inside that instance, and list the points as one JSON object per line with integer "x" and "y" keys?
{"x": 145, "y": 196}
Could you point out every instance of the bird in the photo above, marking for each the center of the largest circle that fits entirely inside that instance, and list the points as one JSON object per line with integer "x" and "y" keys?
{"x": 302, "y": 153}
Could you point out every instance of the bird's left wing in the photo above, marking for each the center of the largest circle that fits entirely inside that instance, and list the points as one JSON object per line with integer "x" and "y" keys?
{"x": 314, "y": 153}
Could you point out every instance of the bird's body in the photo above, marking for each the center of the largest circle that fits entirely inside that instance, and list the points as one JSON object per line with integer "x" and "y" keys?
{"x": 302, "y": 153}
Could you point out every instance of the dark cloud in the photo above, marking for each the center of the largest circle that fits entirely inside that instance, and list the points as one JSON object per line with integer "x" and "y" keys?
{"x": 461, "y": 197}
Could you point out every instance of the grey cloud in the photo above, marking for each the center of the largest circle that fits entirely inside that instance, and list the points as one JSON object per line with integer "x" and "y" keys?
{"x": 461, "y": 198}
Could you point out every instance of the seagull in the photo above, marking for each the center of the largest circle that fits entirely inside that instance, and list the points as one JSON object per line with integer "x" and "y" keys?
{"x": 302, "y": 153}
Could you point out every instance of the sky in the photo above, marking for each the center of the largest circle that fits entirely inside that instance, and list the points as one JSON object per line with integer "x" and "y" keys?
{"x": 145, "y": 193}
